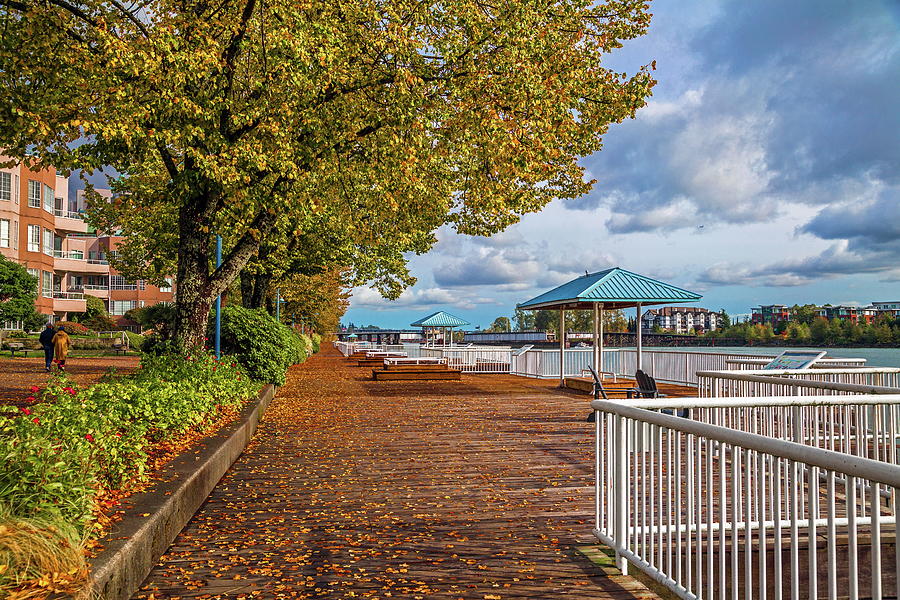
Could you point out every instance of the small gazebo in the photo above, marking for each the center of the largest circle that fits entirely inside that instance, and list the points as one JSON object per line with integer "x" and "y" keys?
{"x": 613, "y": 288}
{"x": 439, "y": 321}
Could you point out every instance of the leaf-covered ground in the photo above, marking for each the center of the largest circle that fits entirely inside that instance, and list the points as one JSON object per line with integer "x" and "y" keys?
{"x": 361, "y": 489}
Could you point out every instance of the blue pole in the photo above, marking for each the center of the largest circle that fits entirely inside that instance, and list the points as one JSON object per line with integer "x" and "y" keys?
{"x": 218, "y": 301}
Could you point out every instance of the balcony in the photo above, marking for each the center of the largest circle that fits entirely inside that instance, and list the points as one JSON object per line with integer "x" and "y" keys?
{"x": 68, "y": 302}
{"x": 67, "y": 220}
{"x": 74, "y": 261}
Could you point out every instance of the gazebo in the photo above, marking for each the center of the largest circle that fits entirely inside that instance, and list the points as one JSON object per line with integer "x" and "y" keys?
{"x": 439, "y": 321}
{"x": 613, "y": 288}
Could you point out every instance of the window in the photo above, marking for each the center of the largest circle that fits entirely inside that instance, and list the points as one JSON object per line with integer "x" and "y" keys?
{"x": 120, "y": 307}
{"x": 47, "y": 284}
{"x": 167, "y": 286}
{"x": 5, "y": 186}
{"x": 34, "y": 238}
{"x": 48, "y": 199}
{"x": 34, "y": 194}
{"x": 16, "y": 188}
{"x": 48, "y": 242}
{"x": 4, "y": 233}
{"x": 15, "y": 234}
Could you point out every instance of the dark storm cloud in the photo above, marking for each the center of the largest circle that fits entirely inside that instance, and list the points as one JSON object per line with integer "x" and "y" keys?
{"x": 782, "y": 102}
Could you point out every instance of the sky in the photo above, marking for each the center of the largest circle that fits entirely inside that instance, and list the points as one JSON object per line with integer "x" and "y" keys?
{"x": 765, "y": 169}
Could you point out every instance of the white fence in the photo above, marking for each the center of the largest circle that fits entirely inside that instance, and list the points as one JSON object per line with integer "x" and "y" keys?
{"x": 715, "y": 512}
{"x": 818, "y": 382}
{"x": 473, "y": 359}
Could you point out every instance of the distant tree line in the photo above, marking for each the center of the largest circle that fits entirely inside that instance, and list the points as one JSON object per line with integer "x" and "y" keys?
{"x": 614, "y": 321}
{"x": 883, "y": 331}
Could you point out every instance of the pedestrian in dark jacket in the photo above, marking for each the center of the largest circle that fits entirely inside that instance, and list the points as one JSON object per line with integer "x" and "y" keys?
{"x": 46, "y": 340}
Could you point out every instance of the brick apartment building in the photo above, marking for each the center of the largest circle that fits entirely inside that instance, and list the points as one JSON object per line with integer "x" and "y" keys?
{"x": 42, "y": 228}
{"x": 681, "y": 319}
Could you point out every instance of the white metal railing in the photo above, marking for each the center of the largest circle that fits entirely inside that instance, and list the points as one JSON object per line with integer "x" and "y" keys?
{"x": 713, "y": 512}
{"x": 545, "y": 363}
{"x": 818, "y": 382}
{"x": 97, "y": 261}
{"x": 123, "y": 286}
{"x": 95, "y": 287}
{"x": 12, "y": 325}
{"x": 69, "y": 254}
{"x": 472, "y": 359}
{"x": 752, "y": 364}
{"x": 68, "y": 214}
{"x": 67, "y": 295}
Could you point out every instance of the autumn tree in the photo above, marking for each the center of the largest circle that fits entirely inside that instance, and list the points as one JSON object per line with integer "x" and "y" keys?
{"x": 250, "y": 119}
{"x": 316, "y": 301}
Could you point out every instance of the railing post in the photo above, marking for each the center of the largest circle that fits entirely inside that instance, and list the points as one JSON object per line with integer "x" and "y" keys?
{"x": 620, "y": 505}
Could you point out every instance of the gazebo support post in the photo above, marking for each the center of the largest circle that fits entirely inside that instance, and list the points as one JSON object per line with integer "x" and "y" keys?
{"x": 637, "y": 329}
{"x": 600, "y": 336}
{"x": 596, "y": 340}
{"x": 562, "y": 347}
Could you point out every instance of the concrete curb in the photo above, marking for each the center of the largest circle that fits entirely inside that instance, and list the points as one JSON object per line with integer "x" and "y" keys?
{"x": 133, "y": 547}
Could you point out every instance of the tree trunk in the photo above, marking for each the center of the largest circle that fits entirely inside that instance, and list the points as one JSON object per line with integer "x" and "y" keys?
{"x": 193, "y": 299}
{"x": 255, "y": 289}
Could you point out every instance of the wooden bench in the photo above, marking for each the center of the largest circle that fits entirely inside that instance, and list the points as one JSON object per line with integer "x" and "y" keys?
{"x": 120, "y": 348}
{"x": 18, "y": 347}
{"x": 421, "y": 375}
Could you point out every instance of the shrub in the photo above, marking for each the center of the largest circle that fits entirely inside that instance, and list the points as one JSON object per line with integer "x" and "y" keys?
{"x": 72, "y": 328}
{"x": 317, "y": 342}
{"x": 59, "y": 454}
{"x": 135, "y": 340}
{"x": 265, "y": 347}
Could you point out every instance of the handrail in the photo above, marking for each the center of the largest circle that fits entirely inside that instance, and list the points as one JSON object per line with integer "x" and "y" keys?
{"x": 806, "y": 383}
{"x": 856, "y": 466}
{"x": 757, "y": 402}
{"x": 851, "y": 370}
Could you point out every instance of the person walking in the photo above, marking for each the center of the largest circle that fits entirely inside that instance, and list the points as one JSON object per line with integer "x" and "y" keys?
{"x": 46, "y": 340}
{"x": 61, "y": 346}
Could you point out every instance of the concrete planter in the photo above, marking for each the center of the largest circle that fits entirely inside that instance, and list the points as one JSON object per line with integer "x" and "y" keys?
{"x": 137, "y": 542}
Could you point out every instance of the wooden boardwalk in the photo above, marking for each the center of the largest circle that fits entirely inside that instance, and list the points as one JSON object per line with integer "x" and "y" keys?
{"x": 352, "y": 488}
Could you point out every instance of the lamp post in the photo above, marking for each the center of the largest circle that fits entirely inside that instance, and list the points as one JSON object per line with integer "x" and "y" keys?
{"x": 218, "y": 301}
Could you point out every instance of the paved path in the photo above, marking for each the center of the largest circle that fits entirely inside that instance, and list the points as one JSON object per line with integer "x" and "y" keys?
{"x": 361, "y": 489}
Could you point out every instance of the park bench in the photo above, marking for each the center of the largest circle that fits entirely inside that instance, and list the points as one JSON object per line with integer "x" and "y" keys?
{"x": 120, "y": 347}
{"x": 17, "y": 347}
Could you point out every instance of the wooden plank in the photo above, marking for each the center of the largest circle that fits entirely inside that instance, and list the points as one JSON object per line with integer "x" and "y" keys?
{"x": 475, "y": 489}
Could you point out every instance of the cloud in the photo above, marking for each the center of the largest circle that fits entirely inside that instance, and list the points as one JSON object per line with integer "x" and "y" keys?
{"x": 776, "y": 104}
{"x": 421, "y": 299}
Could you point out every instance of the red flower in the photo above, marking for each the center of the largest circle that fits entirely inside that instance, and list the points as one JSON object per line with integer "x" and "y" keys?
{"x": 31, "y": 398}
{"x": 27, "y": 411}
{"x": 34, "y": 389}
{"x": 36, "y": 421}
{"x": 118, "y": 434}
{"x": 70, "y": 390}
{"x": 89, "y": 437}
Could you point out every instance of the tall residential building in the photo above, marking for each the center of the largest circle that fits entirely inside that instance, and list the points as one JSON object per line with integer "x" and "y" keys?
{"x": 42, "y": 228}
{"x": 891, "y": 307}
{"x": 681, "y": 319}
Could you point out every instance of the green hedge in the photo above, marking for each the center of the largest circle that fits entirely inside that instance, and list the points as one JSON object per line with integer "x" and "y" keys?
{"x": 265, "y": 347}
{"x": 58, "y": 455}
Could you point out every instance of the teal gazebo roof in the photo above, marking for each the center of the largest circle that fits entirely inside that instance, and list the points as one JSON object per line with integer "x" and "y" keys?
{"x": 614, "y": 288}
{"x": 439, "y": 319}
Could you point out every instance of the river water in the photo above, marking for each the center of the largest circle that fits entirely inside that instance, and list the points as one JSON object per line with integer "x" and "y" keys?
{"x": 875, "y": 357}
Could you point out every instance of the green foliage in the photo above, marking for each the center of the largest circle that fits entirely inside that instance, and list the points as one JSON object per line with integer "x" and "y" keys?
{"x": 72, "y": 328}
{"x": 316, "y": 342}
{"x": 500, "y": 325}
{"x": 365, "y": 125}
{"x": 18, "y": 291}
{"x": 57, "y": 456}
{"x": 263, "y": 346}
{"x": 135, "y": 340}
{"x": 94, "y": 307}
